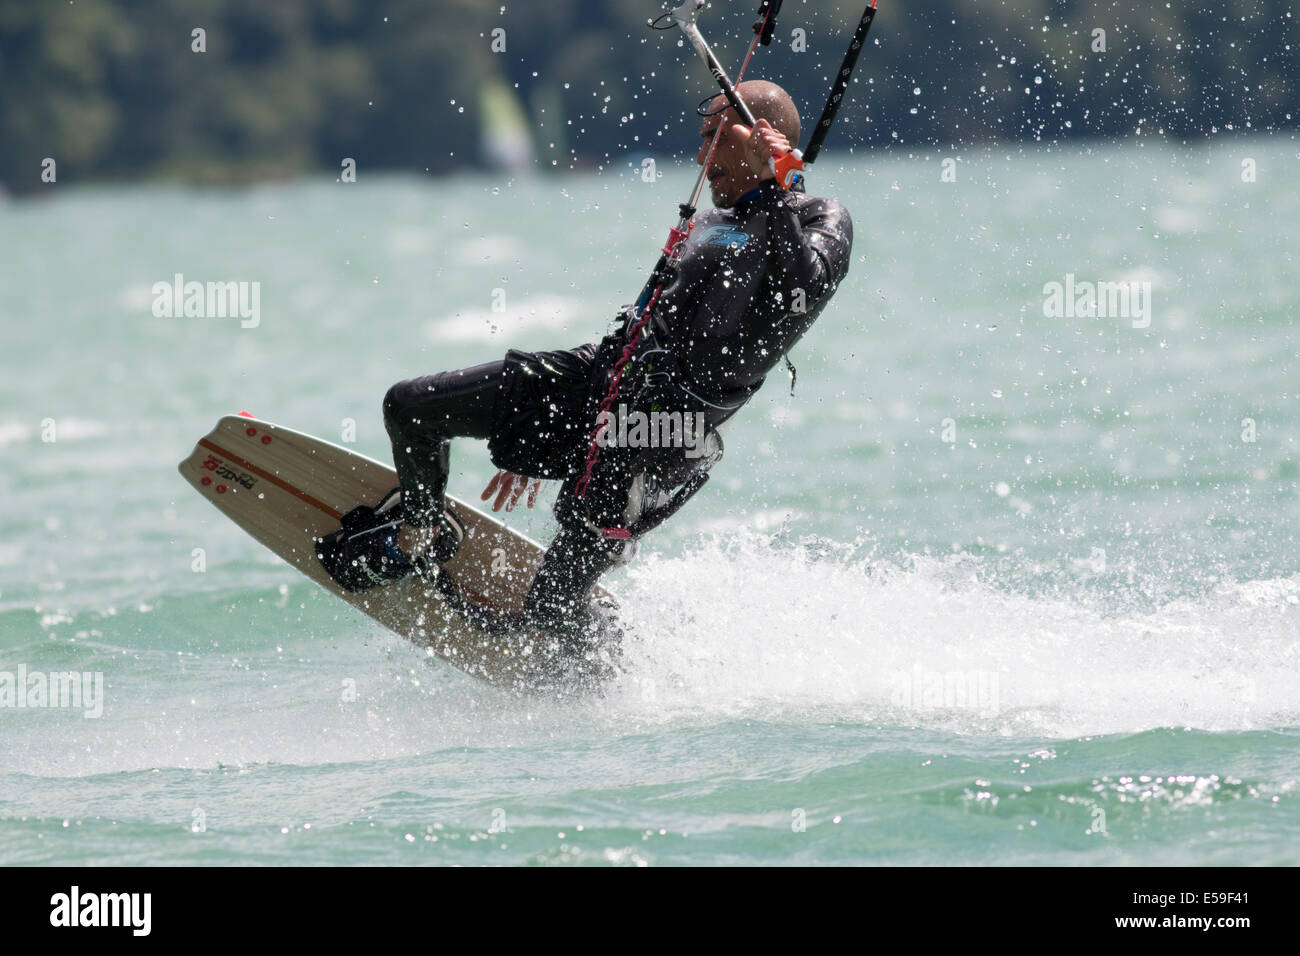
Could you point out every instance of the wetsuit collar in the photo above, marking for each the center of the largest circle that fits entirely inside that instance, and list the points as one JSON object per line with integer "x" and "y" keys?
{"x": 766, "y": 186}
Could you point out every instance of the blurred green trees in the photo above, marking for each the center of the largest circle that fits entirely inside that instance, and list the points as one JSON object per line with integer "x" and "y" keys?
{"x": 113, "y": 88}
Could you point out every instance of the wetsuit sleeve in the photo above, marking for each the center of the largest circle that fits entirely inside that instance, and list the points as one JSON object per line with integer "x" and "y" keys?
{"x": 809, "y": 248}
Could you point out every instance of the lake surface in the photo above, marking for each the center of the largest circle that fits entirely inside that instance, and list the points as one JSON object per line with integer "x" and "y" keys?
{"x": 994, "y": 586}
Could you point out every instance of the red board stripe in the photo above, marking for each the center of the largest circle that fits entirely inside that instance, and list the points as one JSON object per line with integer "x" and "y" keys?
{"x": 279, "y": 483}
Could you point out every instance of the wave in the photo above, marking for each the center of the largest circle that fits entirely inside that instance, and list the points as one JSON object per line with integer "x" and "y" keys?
{"x": 739, "y": 626}
{"x": 741, "y": 623}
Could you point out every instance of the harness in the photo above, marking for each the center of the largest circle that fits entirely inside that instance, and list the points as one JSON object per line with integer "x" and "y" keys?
{"x": 647, "y": 379}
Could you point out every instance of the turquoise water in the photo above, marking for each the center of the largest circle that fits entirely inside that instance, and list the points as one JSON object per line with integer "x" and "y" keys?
{"x": 1069, "y": 634}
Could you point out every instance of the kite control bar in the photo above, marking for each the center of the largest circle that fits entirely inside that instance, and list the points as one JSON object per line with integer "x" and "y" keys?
{"x": 787, "y": 167}
{"x": 684, "y": 17}
{"x": 841, "y": 84}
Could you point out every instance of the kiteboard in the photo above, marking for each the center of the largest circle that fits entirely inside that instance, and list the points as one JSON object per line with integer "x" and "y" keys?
{"x": 288, "y": 489}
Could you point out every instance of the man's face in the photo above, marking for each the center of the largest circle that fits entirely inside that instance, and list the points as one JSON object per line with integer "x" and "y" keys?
{"x": 730, "y": 175}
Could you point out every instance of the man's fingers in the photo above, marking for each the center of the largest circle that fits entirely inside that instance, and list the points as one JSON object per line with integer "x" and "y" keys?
{"x": 509, "y": 488}
{"x": 762, "y": 144}
{"x": 507, "y": 484}
{"x": 520, "y": 483}
{"x": 774, "y": 142}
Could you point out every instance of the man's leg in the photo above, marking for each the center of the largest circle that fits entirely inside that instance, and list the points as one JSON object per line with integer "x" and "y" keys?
{"x": 422, "y": 415}
{"x": 379, "y": 544}
{"x": 538, "y": 416}
{"x": 560, "y": 596}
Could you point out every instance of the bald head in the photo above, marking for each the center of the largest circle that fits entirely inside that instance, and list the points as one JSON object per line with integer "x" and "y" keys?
{"x": 766, "y": 101}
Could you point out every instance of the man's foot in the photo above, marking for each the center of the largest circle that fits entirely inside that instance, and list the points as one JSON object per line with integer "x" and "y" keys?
{"x": 366, "y": 551}
{"x": 438, "y": 543}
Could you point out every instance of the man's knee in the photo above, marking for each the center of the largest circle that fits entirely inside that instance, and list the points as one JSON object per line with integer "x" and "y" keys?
{"x": 402, "y": 404}
{"x": 394, "y": 403}
{"x": 452, "y": 404}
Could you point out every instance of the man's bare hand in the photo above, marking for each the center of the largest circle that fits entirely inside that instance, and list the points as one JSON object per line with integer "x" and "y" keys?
{"x": 509, "y": 487}
{"x": 763, "y": 144}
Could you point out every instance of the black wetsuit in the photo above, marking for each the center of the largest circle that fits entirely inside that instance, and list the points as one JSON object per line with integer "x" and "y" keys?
{"x": 751, "y": 281}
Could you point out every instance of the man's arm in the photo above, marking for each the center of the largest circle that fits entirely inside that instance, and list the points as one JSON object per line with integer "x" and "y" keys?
{"x": 810, "y": 249}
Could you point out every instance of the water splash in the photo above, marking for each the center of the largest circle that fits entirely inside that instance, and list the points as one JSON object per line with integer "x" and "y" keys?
{"x": 746, "y": 624}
